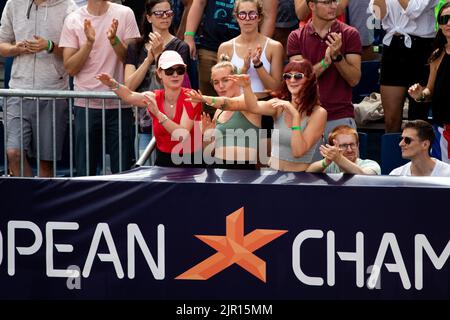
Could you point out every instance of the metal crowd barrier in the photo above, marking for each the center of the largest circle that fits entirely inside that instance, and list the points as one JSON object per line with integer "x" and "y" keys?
{"x": 70, "y": 95}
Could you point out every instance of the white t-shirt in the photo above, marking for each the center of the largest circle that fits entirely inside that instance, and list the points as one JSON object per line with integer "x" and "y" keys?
{"x": 441, "y": 169}
{"x": 363, "y": 164}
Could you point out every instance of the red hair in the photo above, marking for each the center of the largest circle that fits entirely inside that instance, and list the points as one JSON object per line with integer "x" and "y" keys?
{"x": 308, "y": 96}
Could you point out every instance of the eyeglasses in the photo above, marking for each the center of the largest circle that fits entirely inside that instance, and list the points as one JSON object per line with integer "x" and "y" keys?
{"x": 407, "y": 140}
{"x": 179, "y": 70}
{"x": 345, "y": 146}
{"x": 296, "y": 76}
{"x": 161, "y": 13}
{"x": 252, "y": 15}
{"x": 443, "y": 20}
{"x": 327, "y": 2}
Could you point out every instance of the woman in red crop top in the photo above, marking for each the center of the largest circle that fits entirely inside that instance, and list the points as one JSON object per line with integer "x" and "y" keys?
{"x": 176, "y": 122}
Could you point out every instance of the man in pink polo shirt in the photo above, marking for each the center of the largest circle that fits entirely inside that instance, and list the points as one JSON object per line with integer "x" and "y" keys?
{"x": 95, "y": 39}
{"x": 334, "y": 48}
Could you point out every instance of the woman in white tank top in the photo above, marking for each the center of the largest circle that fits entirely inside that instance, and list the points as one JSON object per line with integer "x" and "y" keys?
{"x": 253, "y": 53}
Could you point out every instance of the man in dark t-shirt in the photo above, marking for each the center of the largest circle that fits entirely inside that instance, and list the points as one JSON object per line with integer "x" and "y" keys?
{"x": 334, "y": 48}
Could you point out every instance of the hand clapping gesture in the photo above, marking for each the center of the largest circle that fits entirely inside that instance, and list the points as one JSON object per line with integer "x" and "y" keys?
{"x": 111, "y": 33}
{"x": 106, "y": 79}
{"x": 89, "y": 31}
{"x": 242, "y": 80}
{"x": 285, "y": 106}
{"x": 156, "y": 43}
{"x": 415, "y": 91}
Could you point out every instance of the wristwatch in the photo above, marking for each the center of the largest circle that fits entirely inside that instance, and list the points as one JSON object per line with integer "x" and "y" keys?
{"x": 338, "y": 58}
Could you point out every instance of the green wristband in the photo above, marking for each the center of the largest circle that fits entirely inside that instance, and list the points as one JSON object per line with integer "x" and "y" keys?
{"x": 324, "y": 163}
{"x": 323, "y": 64}
{"x": 116, "y": 41}
{"x": 190, "y": 33}
{"x": 213, "y": 101}
{"x": 296, "y": 128}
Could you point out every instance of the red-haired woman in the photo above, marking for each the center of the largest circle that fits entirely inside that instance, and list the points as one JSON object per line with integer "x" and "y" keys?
{"x": 299, "y": 120}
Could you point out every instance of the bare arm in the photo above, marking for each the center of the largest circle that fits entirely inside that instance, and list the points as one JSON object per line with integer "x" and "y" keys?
{"x": 133, "y": 76}
{"x": 270, "y": 17}
{"x": 182, "y": 27}
{"x": 379, "y": 9}
{"x": 303, "y": 141}
{"x": 193, "y": 20}
{"x": 74, "y": 59}
{"x": 350, "y": 68}
{"x": 13, "y": 50}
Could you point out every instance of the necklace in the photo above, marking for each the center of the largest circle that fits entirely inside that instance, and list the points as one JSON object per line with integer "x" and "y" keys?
{"x": 168, "y": 102}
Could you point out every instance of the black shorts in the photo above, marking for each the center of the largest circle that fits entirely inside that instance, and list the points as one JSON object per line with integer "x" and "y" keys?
{"x": 402, "y": 66}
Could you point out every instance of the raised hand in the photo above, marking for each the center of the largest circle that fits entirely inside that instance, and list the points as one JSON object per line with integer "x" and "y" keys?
{"x": 111, "y": 33}
{"x": 247, "y": 59}
{"x": 415, "y": 91}
{"x": 207, "y": 123}
{"x": 241, "y": 80}
{"x": 156, "y": 43}
{"x": 89, "y": 31}
{"x": 334, "y": 42}
{"x": 285, "y": 105}
{"x": 331, "y": 153}
{"x": 106, "y": 79}
{"x": 256, "y": 55}
{"x": 150, "y": 102}
{"x": 194, "y": 96}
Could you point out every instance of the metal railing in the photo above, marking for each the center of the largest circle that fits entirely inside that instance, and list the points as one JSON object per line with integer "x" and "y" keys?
{"x": 54, "y": 95}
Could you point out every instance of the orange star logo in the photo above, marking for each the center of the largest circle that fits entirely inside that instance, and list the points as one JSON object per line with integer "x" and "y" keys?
{"x": 232, "y": 248}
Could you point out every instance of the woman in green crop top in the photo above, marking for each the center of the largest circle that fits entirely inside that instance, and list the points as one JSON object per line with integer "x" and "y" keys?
{"x": 231, "y": 137}
{"x": 300, "y": 118}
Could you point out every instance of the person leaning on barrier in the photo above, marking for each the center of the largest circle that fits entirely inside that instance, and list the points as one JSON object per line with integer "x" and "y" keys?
{"x": 95, "y": 39}
{"x": 437, "y": 89}
{"x": 416, "y": 141}
{"x": 299, "y": 120}
{"x": 30, "y": 32}
{"x": 341, "y": 154}
{"x": 174, "y": 119}
{"x": 236, "y": 135}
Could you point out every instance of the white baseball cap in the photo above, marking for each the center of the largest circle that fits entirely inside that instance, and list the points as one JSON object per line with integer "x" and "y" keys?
{"x": 170, "y": 58}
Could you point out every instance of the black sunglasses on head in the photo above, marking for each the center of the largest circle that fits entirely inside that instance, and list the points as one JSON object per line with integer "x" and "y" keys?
{"x": 407, "y": 140}
{"x": 443, "y": 20}
{"x": 296, "y": 76}
{"x": 179, "y": 70}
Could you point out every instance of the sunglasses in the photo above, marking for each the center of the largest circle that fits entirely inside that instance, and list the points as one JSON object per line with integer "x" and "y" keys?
{"x": 179, "y": 70}
{"x": 161, "y": 13}
{"x": 296, "y": 76}
{"x": 252, "y": 15}
{"x": 443, "y": 20}
{"x": 407, "y": 140}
